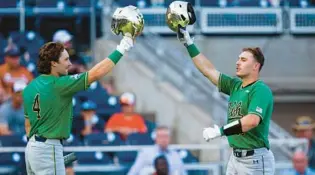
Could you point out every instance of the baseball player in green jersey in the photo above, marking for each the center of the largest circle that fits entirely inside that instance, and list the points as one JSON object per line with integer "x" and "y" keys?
{"x": 48, "y": 104}
{"x": 249, "y": 111}
{"x": 48, "y": 98}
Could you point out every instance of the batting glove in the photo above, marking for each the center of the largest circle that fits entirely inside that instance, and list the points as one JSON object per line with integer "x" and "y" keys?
{"x": 125, "y": 44}
{"x": 211, "y": 133}
{"x": 184, "y": 37}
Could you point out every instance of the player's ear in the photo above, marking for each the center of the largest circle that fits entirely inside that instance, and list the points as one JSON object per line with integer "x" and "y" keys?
{"x": 256, "y": 66}
{"x": 53, "y": 63}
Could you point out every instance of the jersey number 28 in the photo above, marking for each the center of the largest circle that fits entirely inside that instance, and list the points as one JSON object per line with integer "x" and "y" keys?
{"x": 36, "y": 107}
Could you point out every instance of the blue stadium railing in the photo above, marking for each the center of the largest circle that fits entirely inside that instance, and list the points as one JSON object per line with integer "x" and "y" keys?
{"x": 217, "y": 17}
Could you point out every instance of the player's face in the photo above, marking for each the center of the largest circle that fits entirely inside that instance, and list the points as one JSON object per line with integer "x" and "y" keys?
{"x": 162, "y": 138}
{"x": 64, "y": 64}
{"x": 246, "y": 65}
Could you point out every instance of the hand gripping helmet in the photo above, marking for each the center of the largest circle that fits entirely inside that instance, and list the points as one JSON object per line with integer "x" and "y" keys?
{"x": 128, "y": 21}
{"x": 180, "y": 13}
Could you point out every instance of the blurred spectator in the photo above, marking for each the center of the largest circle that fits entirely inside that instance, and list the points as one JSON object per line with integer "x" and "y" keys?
{"x": 300, "y": 165}
{"x": 127, "y": 121}
{"x": 12, "y": 111}
{"x": 303, "y": 128}
{"x": 161, "y": 166}
{"x": 78, "y": 63}
{"x": 88, "y": 122}
{"x": 147, "y": 156}
{"x": 11, "y": 71}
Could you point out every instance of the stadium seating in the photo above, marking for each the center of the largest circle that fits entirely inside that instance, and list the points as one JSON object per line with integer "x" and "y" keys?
{"x": 140, "y": 139}
{"x": 150, "y": 126}
{"x": 72, "y": 141}
{"x": 81, "y": 3}
{"x": 106, "y": 104}
{"x": 45, "y": 3}
{"x": 29, "y": 41}
{"x": 126, "y": 158}
{"x": 291, "y": 3}
{"x": 209, "y": 3}
{"x": 13, "y": 140}
{"x": 188, "y": 158}
{"x": 123, "y": 3}
{"x": 3, "y": 44}
{"x": 93, "y": 158}
{"x": 103, "y": 139}
{"x": 9, "y": 3}
{"x": 249, "y": 3}
{"x": 12, "y": 163}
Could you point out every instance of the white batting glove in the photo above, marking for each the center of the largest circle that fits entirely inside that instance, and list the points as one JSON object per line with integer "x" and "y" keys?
{"x": 125, "y": 44}
{"x": 184, "y": 37}
{"x": 211, "y": 133}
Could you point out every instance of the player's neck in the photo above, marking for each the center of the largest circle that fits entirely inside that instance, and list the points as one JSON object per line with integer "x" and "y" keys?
{"x": 54, "y": 73}
{"x": 249, "y": 80}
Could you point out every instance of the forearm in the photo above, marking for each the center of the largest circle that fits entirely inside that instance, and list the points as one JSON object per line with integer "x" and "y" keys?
{"x": 249, "y": 122}
{"x": 100, "y": 70}
{"x": 207, "y": 68}
{"x": 240, "y": 126}
{"x": 103, "y": 67}
{"x": 203, "y": 64}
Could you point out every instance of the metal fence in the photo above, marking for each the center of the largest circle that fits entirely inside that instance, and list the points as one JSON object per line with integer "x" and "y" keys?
{"x": 238, "y": 20}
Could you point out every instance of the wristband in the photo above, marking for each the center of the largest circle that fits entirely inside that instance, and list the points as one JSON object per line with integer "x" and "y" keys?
{"x": 115, "y": 56}
{"x": 193, "y": 50}
{"x": 232, "y": 128}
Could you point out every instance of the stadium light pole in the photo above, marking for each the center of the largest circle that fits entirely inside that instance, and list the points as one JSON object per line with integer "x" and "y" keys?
{"x": 92, "y": 27}
{"x": 22, "y": 16}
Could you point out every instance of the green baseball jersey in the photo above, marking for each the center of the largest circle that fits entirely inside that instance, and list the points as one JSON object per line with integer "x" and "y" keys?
{"x": 255, "y": 98}
{"x": 48, "y": 104}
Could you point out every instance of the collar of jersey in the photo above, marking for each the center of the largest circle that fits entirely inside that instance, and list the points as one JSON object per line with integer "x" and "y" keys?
{"x": 250, "y": 84}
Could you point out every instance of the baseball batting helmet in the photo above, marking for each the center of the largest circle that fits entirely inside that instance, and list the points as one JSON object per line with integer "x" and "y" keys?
{"x": 128, "y": 21}
{"x": 180, "y": 13}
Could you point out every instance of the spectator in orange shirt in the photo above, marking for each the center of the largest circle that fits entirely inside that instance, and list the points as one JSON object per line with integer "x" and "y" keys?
{"x": 127, "y": 121}
{"x": 11, "y": 71}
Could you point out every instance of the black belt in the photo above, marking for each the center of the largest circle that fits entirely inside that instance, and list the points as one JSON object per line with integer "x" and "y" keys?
{"x": 43, "y": 139}
{"x": 243, "y": 153}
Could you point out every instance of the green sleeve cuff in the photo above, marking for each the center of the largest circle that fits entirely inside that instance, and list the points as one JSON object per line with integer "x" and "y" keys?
{"x": 115, "y": 56}
{"x": 86, "y": 83}
{"x": 193, "y": 50}
{"x": 221, "y": 131}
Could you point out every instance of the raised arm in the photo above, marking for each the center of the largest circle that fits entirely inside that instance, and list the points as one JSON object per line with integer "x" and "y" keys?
{"x": 106, "y": 65}
{"x": 203, "y": 64}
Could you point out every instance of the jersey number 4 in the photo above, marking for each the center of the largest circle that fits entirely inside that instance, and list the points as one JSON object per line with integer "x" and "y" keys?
{"x": 36, "y": 107}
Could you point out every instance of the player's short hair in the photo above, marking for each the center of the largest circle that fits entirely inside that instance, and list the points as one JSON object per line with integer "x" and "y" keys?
{"x": 49, "y": 52}
{"x": 258, "y": 55}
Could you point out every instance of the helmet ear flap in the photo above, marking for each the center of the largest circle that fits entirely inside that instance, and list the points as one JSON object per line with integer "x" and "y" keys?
{"x": 191, "y": 14}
